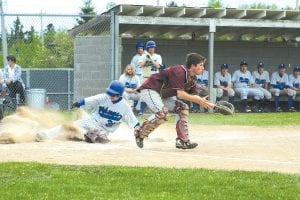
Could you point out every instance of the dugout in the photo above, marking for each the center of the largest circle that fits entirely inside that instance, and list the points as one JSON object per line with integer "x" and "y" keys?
{"x": 105, "y": 44}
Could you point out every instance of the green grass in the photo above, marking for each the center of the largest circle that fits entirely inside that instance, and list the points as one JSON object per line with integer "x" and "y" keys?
{"x": 42, "y": 181}
{"x": 245, "y": 119}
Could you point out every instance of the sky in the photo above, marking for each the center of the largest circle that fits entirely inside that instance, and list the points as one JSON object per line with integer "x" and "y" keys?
{"x": 73, "y": 6}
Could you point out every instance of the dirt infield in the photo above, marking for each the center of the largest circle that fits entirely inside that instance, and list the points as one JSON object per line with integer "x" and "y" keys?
{"x": 220, "y": 147}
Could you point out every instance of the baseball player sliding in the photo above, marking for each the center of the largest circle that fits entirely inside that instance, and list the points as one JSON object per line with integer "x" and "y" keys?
{"x": 165, "y": 91}
{"x": 108, "y": 111}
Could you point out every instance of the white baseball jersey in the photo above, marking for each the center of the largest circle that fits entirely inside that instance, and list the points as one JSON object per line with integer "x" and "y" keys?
{"x": 107, "y": 115}
{"x": 135, "y": 61}
{"x": 131, "y": 82}
{"x": 261, "y": 79}
{"x": 220, "y": 80}
{"x": 242, "y": 80}
{"x": 148, "y": 68}
{"x": 280, "y": 82}
{"x": 202, "y": 79}
{"x": 294, "y": 81}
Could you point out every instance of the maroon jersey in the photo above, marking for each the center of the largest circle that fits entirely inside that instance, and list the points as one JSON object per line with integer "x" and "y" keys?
{"x": 169, "y": 80}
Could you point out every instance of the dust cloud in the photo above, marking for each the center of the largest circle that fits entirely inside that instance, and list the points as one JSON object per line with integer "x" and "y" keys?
{"x": 23, "y": 125}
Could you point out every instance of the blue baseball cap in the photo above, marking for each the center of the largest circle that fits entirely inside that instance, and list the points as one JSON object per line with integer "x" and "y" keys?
{"x": 225, "y": 66}
{"x": 297, "y": 68}
{"x": 281, "y": 65}
{"x": 260, "y": 64}
{"x": 243, "y": 62}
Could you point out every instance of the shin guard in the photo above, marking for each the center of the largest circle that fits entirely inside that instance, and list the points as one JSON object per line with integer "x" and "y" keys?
{"x": 182, "y": 109}
{"x": 149, "y": 125}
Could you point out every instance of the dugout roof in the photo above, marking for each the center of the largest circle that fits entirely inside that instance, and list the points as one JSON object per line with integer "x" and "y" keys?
{"x": 140, "y": 21}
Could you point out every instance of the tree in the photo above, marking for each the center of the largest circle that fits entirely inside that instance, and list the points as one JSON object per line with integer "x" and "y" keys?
{"x": 87, "y": 9}
{"x": 110, "y": 5}
{"x": 172, "y": 4}
{"x": 49, "y": 34}
{"x": 260, "y": 6}
{"x": 29, "y": 35}
{"x": 215, "y": 3}
{"x": 59, "y": 54}
{"x": 17, "y": 31}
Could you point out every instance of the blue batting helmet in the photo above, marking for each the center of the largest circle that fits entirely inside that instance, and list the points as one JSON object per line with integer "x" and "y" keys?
{"x": 150, "y": 44}
{"x": 115, "y": 88}
{"x": 139, "y": 44}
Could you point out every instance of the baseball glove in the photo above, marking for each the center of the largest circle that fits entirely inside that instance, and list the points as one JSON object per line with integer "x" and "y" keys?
{"x": 95, "y": 136}
{"x": 224, "y": 107}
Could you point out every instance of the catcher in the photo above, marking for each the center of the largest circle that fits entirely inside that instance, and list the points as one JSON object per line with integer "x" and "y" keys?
{"x": 166, "y": 91}
{"x": 108, "y": 111}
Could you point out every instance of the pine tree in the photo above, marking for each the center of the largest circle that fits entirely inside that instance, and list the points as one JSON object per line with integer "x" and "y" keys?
{"x": 87, "y": 9}
{"x": 17, "y": 32}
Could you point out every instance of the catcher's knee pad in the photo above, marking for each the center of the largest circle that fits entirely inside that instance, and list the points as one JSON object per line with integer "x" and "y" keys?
{"x": 182, "y": 109}
{"x": 149, "y": 125}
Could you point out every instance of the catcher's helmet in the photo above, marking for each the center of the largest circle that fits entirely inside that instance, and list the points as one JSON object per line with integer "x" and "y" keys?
{"x": 150, "y": 44}
{"x": 115, "y": 88}
{"x": 139, "y": 44}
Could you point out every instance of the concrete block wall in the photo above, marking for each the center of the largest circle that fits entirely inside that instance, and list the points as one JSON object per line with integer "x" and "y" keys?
{"x": 174, "y": 52}
{"x": 92, "y": 65}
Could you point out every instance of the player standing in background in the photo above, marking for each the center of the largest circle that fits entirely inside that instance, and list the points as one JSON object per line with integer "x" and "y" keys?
{"x": 294, "y": 79}
{"x": 108, "y": 110}
{"x": 262, "y": 81}
{"x": 280, "y": 86}
{"x": 152, "y": 61}
{"x": 136, "y": 60}
{"x": 165, "y": 91}
{"x": 131, "y": 82}
{"x": 222, "y": 82}
{"x": 244, "y": 86}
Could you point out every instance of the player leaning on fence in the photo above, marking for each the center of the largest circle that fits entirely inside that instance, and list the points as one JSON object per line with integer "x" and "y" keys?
{"x": 165, "y": 91}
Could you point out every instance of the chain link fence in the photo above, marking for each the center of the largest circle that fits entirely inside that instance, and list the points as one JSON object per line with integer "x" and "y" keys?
{"x": 44, "y": 47}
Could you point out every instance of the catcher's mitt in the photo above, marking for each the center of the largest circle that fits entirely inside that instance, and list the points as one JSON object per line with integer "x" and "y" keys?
{"x": 224, "y": 107}
{"x": 95, "y": 136}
